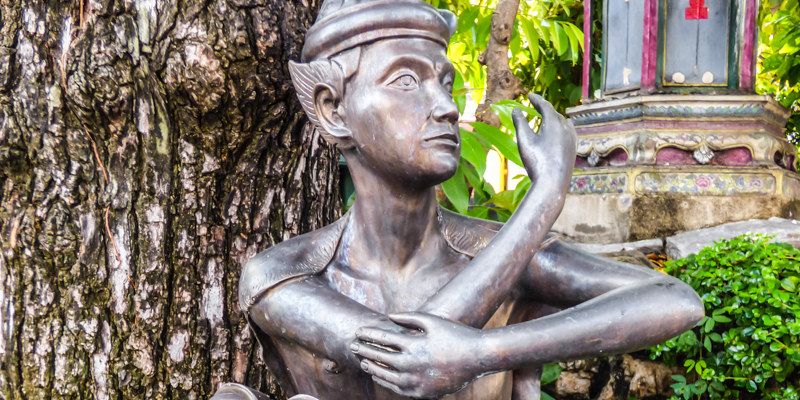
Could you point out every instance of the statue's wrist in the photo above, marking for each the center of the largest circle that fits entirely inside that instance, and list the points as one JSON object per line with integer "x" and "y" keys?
{"x": 485, "y": 355}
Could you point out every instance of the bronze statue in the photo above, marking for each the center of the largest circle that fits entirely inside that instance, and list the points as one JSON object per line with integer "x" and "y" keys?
{"x": 403, "y": 299}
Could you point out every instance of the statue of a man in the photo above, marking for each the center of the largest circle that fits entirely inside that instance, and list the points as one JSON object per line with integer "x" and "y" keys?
{"x": 402, "y": 299}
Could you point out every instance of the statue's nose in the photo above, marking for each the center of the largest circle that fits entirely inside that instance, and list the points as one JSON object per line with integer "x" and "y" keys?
{"x": 445, "y": 110}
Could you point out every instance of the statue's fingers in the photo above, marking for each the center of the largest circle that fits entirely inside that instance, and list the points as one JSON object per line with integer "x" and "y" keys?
{"x": 386, "y": 357}
{"x": 543, "y": 106}
{"x": 380, "y": 371}
{"x": 381, "y": 337}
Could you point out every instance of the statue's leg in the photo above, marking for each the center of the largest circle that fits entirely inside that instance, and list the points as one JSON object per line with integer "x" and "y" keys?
{"x": 527, "y": 382}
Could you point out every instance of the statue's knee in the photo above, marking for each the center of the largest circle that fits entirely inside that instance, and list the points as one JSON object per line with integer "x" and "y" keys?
{"x": 235, "y": 391}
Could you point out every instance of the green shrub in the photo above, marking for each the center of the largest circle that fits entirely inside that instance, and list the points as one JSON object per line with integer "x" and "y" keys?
{"x": 748, "y": 340}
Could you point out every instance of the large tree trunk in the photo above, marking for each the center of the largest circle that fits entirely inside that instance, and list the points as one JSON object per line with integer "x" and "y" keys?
{"x": 148, "y": 148}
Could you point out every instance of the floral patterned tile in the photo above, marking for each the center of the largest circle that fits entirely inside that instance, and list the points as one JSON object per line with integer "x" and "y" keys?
{"x": 704, "y": 183}
{"x": 599, "y": 183}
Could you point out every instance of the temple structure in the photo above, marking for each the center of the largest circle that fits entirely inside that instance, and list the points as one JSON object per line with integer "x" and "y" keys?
{"x": 677, "y": 139}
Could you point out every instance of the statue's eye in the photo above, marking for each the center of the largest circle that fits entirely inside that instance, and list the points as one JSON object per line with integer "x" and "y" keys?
{"x": 405, "y": 82}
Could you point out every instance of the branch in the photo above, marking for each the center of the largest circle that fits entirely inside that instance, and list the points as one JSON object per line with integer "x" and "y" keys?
{"x": 501, "y": 83}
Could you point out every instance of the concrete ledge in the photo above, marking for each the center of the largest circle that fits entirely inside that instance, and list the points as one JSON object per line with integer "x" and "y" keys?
{"x": 787, "y": 231}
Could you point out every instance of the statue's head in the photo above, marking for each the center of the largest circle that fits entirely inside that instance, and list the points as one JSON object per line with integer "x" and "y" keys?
{"x": 376, "y": 81}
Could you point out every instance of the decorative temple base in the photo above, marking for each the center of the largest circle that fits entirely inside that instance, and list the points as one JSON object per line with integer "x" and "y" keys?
{"x": 622, "y": 205}
{"x": 654, "y": 165}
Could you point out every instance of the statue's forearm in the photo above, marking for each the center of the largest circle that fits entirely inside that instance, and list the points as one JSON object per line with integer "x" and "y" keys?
{"x": 623, "y": 320}
{"x": 312, "y": 315}
{"x": 473, "y": 295}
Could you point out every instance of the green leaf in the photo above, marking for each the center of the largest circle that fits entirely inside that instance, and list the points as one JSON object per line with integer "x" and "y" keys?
{"x": 707, "y": 343}
{"x": 479, "y": 212}
{"x": 532, "y": 37}
{"x": 751, "y": 386}
{"x": 503, "y": 111}
{"x": 573, "y": 42}
{"x": 460, "y": 92}
{"x": 466, "y": 20}
{"x": 521, "y": 189}
{"x": 544, "y": 30}
{"x": 721, "y": 319}
{"x": 472, "y": 151}
{"x": 679, "y": 378}
{"x": 789, "y": 285}
{"x": 457, "y": 192}
{"x": 550, "y": 373}
{"x": 515, "y": 104}
{"x": 501, "y": 141}
{"x": 577, "y": 32}
{"x": 504, "y": 199}
{"x": 709, "y": 325}
{"x": 475, "y": 181}
{"x": 560, "y": 40}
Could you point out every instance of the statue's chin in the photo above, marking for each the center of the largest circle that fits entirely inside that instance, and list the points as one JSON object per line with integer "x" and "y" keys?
{"x": 435, "y": 175}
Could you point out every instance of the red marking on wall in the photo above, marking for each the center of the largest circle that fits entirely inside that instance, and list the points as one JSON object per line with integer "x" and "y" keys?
{"x": 696, "y": 10}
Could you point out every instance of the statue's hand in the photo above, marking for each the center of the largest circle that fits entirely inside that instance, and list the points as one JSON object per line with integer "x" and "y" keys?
{"x": 550, "y": 155}
{"x": 437, "y": 358}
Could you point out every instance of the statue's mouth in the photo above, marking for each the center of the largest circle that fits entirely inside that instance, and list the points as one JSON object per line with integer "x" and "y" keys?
{"x": 446, "y": 138}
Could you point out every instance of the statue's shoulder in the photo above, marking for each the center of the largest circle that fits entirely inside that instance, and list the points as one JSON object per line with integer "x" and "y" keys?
{"x": 302, "y": 255}
{"x": 470, "y": 235}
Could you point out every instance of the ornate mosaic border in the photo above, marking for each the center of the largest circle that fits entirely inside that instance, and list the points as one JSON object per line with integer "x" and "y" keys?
{"x": 599, "y": 183}
{"x": 704, "y": 183}
{"x": 614, "y": 115}
{"x": 741, "y": 111}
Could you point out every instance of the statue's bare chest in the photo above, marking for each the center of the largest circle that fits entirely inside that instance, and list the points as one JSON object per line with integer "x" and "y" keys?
{"x": 390, "y": 292}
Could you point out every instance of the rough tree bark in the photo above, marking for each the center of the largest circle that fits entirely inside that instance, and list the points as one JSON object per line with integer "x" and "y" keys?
{"x": 148, "y": 148}
{"x": 501, "y": 83}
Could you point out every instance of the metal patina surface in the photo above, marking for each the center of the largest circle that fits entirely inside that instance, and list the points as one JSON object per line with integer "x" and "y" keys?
{"x": 401, "y": 299}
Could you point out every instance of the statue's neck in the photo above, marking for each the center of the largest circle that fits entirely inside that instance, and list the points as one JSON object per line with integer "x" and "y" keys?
{"x": 391, "y": 226}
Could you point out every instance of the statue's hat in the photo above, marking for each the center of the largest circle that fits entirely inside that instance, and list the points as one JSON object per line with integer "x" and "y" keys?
{"x": 344, "y": 24}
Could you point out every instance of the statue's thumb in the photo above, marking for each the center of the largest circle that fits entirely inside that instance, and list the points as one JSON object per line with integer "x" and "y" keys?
{"x": 410, "y": 320}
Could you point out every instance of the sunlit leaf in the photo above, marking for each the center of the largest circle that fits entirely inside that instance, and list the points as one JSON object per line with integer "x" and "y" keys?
{"x": 473, "y": 151}
{"x": 501, "y": 141}
{"x": 457, "y": 192}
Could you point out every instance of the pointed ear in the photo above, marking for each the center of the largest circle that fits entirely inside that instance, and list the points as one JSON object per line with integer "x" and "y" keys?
{"x": 330, "y": 113}
{"x": 316, "y": 83}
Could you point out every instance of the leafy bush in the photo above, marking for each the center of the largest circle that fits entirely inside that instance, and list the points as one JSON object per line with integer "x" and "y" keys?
{"x": 749, "y": 337}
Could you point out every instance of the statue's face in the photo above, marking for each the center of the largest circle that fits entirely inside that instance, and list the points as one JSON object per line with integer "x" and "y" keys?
{"x": 401, "y": 113}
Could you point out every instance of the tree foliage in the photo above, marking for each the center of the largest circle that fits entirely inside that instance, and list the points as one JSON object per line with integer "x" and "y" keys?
{"x": 546, "y": 54}
{"x": 779, "y": 60}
